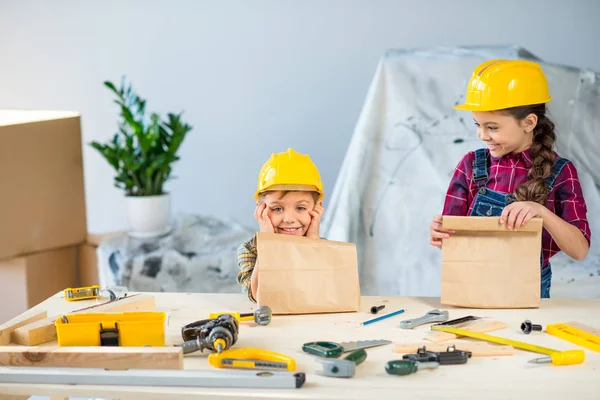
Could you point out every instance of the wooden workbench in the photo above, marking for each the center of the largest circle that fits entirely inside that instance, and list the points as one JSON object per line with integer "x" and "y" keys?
{"x": 503, "y": 377}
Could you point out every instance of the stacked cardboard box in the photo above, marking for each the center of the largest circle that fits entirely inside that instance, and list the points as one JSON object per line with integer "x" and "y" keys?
{"x": 42, "y": 206}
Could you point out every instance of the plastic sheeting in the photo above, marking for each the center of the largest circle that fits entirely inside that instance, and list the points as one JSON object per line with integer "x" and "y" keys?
{"x": 405, "y": 147}
{"x": 199, "y": 255}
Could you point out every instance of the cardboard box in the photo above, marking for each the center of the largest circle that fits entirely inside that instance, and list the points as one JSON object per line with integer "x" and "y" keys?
{"x": 484, "y": 265}
{"x": 42, "y": 202}
{"x": 28, "y": 280}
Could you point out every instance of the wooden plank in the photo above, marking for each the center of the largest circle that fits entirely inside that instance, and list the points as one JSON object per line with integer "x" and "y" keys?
{"x": 8, "y": 328}
{"x": 114, "y": 358}
{"x": 585, "y": 328}
{"x": 479, "y": 349}
{"x": 477, "y": 326}
{"x": 44, "y": 330}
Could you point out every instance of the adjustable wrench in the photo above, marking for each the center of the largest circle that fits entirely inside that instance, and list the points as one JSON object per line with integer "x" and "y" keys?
{"x": 431, "y": 316}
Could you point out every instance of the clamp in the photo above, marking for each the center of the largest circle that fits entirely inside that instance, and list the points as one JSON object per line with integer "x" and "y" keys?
{"x": 431, "y": 316}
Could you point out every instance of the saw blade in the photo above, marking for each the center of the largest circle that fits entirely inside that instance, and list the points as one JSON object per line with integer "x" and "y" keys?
{"x": 363, "y": 344}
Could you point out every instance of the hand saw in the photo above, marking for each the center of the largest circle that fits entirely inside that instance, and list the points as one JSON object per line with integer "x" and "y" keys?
{"x": 250, "y": 358}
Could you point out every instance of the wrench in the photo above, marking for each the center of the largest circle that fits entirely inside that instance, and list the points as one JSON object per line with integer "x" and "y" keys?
{"x": 431, "y": 316}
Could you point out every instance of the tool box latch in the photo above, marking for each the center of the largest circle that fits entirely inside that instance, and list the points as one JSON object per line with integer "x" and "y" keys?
{"x": 109, "y": 336}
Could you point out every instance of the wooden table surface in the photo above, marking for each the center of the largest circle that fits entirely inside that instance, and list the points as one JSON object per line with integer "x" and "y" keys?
{"x": 502, "y": 377}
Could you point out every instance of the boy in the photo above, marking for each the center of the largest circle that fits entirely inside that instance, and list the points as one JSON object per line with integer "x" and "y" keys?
{"x": 289, "y": 201}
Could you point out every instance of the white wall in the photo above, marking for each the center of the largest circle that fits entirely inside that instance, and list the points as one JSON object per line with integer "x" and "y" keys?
{"x": 253, "y": 77}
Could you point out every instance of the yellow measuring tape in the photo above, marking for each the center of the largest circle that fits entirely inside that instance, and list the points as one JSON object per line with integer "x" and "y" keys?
{"x": 569, "y": 357}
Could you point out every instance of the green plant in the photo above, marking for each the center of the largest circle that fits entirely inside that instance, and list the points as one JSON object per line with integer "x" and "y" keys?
{"x": 144, "y": 149}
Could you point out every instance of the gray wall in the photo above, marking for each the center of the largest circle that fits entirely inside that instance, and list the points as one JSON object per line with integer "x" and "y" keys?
{"x": 253, "y": 77}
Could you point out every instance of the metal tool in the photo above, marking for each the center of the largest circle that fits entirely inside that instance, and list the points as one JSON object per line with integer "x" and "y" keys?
{"x": 376, "y": 309}
{"x": 527, "y": 327}
{"x": 449, "y": 357}
{"x": 407, "y": 367}
{"x": 574, "y": 335}
{"x": 156, "y": 377}
{"x": 392, "y": 314}
{"x": 342, "y": 367}
{"x": 334, "y": 350}
{"x": 250, "y": 358}
{"x": 458, "y": 321}
{"x": 261, "y": 316}
{"x": 569, "y": 357}
{"x": 431, "y": 316}
{"x": 81, "y": 293}
{"x": 217, "y": 334}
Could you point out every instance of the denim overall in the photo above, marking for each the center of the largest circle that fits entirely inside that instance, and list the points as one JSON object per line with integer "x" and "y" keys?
{"x": 490, "y": 203}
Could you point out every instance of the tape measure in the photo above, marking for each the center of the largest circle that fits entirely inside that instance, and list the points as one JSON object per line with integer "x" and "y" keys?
{"x": 568, "y": 357}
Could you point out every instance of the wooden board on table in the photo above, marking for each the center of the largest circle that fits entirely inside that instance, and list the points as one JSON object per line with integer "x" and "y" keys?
{"x": 44, "y": 330}
{"x": 585, "y": 328}
{"x": 477, "y": 326}
{"x": 114, "y": 358}
{"x": 9, "y": 327}
{"x": 479, "y": 349}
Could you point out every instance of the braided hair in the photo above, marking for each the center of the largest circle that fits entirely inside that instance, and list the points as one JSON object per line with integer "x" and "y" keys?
{"x": 542, "y": 154}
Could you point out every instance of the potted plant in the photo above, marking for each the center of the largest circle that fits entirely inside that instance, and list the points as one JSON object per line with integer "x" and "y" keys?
{"x": 142, "y": 153}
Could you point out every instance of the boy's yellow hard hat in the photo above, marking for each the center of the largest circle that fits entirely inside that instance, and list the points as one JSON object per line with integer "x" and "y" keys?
{"x": 500, "y": 84}
{"x": 289, "y": 171}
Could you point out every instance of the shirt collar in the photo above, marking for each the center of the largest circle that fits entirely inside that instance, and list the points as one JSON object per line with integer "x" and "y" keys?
{"x": 522, "y": 157}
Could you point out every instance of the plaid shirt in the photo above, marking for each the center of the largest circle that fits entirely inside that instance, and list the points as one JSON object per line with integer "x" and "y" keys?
{"x": 505, "y": 174}
{"x": 246, "y": 255}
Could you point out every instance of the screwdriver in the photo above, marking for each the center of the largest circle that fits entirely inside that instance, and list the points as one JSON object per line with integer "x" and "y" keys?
{"x": 407, "y": 367}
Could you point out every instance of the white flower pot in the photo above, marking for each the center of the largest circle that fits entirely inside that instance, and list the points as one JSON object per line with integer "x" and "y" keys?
{"x": 149, "y": 216}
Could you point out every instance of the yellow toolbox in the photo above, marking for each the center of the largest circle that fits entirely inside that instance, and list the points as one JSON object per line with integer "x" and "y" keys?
{"x": 131, "y": 329}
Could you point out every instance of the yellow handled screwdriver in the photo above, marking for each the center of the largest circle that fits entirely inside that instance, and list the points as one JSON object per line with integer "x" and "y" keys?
{"x": 569, "y": 357}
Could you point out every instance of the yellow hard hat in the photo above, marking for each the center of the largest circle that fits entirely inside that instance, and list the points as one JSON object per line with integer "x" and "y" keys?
{"x": 500, "y": 84}
{"x": 289, "y": 171}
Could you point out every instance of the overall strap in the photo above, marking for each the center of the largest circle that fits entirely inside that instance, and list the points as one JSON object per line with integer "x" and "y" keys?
{"x": 556, "y": 168}
{"x": 480, "y": 170}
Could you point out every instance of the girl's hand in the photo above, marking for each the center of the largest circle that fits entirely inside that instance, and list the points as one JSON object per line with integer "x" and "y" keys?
{"x": 261, "y": 215}
{"x": 519, "y": 213}
{"x": 315, "y": 222}
{"x": 437, "y": 233}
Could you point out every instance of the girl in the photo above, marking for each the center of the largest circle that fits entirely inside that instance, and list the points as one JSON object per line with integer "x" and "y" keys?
{"x": 517, "y": 176}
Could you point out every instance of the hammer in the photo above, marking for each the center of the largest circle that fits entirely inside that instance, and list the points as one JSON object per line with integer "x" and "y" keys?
{"x": 261, "y": 316}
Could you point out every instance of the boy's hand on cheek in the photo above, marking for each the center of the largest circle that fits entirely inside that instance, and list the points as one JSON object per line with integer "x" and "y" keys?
{"x": 261, "y": 215}
{"x": 315, "y": 221}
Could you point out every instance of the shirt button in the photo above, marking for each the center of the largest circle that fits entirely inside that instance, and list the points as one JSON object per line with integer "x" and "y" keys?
{"x": 489, "y": 212}
{"x": 482, "y": 190}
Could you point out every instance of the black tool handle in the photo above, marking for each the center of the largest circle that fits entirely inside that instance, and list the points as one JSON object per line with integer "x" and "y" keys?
{"x": 454, "y": 357}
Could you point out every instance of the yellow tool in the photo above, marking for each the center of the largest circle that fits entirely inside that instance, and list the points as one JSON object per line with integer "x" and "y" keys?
{"x": 250, "y": 358}
{"x": 81, "y": 293}
{"x": 127, "y": 329}
{"x": 574, "y": 335}
{"x": 569, "y": 357}
{"x": 261, "y": 316}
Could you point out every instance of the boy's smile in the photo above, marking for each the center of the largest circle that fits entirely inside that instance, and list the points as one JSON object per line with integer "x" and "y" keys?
{"x": 289, "y": 212}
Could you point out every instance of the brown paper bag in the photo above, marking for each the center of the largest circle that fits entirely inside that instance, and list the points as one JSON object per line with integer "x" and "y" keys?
{"x": 485, "y": 265}
{"x": 298, "y": 275}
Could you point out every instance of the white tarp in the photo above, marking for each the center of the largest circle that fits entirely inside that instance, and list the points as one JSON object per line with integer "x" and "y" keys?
{"x": 199, "y": 255}
{"x": 405, "y": 147}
